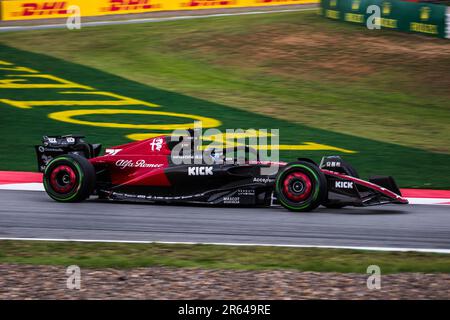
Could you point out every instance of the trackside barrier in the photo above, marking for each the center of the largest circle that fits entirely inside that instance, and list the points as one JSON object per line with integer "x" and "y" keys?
{"x": 424, "y": 18}
{"x": 448, "y": 24}
{"x": 45, "y": 9}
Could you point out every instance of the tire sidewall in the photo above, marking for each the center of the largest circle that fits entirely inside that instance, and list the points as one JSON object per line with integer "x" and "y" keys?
{"x": 318, "y": 192}
{"x": 83, "y": 185}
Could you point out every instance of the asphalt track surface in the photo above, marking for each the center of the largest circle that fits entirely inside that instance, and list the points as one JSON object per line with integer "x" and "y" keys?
{"x": 28, "y": 214}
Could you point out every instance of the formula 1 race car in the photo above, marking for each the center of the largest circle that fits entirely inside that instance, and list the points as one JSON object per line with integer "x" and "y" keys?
{"x": 146, "y": 171}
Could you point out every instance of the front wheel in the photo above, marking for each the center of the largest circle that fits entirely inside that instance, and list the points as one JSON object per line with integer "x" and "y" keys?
{"x": 301, "y": 186}
{"x": 69, "y": 178}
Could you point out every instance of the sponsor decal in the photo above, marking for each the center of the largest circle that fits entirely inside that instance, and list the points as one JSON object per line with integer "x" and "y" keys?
{"x": 332, "y": 14}
{"x": 231, "y": 200}
{"x": 424, "y": 28}
{"x": 153, "y": 197}
{"x": 280, "y": 1}
{"x": 353, "y": 17}
{"x": 138, "y": 164}
{"x": 333, "y": 164}
{"x": 208, "y": 3}
{"x": 263, "y": 180}
{"x": 156, "y": 144}
{"x": 44, "y": 149}
{"x": 387, "y": 8}
{"x": 112, "y": 152}
{"x": 131, "y": 5}
{"x": 425, "y": 13}
{"x": 387, "y": 22}
{"x": 344, "y": 184}
{"x": 43, "y": 8}
{"x": 246, "y": 192}
{"x": 200, "y": 171}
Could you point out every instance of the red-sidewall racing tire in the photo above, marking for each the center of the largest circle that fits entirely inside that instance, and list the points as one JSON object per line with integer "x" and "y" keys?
{"x": 69, "y": 178}
{"x": 301, "y": 186}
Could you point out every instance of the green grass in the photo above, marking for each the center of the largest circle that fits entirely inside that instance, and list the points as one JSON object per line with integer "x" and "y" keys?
{"x": 385, "y": 86}
{"x": 119, "y": 255}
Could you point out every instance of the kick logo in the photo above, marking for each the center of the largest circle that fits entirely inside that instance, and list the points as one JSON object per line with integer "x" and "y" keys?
{"x": 344, "y": 184}
{"x": 200, "y": 171}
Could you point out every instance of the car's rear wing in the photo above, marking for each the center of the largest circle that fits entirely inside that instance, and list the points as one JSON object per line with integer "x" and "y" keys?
{"x": 54, "y": 146}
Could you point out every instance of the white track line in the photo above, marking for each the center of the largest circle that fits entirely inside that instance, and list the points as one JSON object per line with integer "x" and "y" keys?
{"x": 23, "y": 186}
{"x": 445, "y": 251}
{"x": 145, "y": 20}
{"x": 440, "y": 201}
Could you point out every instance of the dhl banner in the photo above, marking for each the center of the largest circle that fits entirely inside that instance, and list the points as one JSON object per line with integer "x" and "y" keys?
{"x": 45, "y": 9}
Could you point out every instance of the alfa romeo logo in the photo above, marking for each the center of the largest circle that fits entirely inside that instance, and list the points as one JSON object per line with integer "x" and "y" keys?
{"x": 156, "y": 144}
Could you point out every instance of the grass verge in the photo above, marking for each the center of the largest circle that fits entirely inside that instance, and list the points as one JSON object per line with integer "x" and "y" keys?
{"x": 120, "y": 255}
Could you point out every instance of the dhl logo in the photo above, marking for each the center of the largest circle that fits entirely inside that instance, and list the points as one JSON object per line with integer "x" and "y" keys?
{"x": 277, "y": 1}
{"x": 125, "y": 5}
{"x": 208, "y": 3}
{"x": 44, "y": 8}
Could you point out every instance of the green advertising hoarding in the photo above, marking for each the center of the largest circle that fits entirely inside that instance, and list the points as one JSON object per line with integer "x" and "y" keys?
{"x": 429, "y": 19}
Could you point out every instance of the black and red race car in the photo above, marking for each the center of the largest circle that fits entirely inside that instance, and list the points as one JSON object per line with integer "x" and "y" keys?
{"x": 145, "y": 171}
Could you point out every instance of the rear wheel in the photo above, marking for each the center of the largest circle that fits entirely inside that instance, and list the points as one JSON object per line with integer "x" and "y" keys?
{"x": 69, "y": 178}
{"x": 301, "y": 186}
